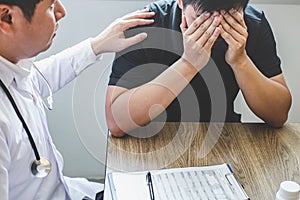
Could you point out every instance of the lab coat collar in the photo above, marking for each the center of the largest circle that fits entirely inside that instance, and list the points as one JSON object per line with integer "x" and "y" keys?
{"x": 10, "y": 71}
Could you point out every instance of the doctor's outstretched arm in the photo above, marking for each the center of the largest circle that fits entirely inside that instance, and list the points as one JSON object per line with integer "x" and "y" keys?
{"x": 112, "y": 39}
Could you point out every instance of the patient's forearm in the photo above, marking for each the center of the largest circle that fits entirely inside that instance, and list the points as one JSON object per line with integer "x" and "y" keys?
{"x": 140, "y": 105}
{"x": 268, "y": 98}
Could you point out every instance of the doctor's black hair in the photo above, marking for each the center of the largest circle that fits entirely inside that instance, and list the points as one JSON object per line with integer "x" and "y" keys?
{"x": 27, "y": 6}
{"x": 215, "y": 5}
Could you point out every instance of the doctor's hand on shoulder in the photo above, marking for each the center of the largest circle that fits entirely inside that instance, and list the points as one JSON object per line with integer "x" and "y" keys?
{"x": 113, "y": 39}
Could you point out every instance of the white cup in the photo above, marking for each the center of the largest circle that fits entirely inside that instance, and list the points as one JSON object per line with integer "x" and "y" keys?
{"x": 289, "y": 190}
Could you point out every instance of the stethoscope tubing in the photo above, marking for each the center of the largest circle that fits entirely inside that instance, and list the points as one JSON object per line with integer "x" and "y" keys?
{"x": 13, "y": 103}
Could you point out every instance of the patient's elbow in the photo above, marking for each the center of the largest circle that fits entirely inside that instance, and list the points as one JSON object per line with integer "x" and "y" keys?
{"x": 279, "y": 122}
{"x": 114, "y": 129}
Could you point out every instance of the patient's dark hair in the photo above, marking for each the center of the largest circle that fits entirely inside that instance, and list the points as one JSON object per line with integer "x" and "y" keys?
{"x": 215, "y": 5}
{"x": 27, "y": 6}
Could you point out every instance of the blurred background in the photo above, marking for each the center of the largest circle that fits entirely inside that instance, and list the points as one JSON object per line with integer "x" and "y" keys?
{"x": 77, "y": 122}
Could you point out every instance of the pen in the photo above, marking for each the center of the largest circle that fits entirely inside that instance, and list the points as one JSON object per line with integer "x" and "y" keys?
{"x": 238, "y": 183}
{"x": 150, "y": 185}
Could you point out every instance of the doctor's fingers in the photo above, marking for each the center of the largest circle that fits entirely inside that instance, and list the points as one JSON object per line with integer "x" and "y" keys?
{"x": 134, "y": 40}
{"x": 139, "y": 14}
{"x": 127, "y": 24}
{"x": 197, "y": 23}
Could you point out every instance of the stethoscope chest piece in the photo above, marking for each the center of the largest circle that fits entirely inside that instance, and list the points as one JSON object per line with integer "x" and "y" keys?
{"x": 41, "y": 168}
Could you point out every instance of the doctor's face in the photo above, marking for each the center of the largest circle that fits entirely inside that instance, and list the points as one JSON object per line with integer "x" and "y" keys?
{"x": 36, "y": 35}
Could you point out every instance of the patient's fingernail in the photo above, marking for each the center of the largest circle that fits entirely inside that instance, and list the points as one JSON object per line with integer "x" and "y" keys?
{"x": 232, "y": 10}
{"x": 216, "y": 13}
{"x": 207, "y": 14}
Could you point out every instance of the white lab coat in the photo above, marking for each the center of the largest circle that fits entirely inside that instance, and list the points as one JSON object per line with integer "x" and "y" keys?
{"x": 16, "y": 153}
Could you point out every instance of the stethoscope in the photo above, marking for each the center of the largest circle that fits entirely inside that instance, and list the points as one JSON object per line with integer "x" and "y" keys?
{"x": 40, "y": 167}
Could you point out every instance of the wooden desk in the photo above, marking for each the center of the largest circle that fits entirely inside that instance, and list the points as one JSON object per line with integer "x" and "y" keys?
{"x": 261, "y": 157}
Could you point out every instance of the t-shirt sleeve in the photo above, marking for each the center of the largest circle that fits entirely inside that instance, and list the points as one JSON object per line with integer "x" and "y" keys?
{"x": 125, "y": 69}
{"x": 137, "y": 67}
{"x": 144, "y": 61}
{"x": 266, "y": 57}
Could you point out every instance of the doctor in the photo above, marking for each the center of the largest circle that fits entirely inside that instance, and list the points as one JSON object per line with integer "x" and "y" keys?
{"x": 30, "y": 165}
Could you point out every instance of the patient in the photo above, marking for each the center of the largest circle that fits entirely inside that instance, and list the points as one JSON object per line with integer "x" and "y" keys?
{"x": 225, "y": 46}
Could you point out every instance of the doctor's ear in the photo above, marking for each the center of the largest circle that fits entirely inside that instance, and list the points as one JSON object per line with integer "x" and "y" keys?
{"x": 5, "y": 15}
{"x": 5, "y": 18}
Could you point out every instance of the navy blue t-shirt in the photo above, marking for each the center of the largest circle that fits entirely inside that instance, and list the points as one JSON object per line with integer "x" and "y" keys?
{"x": 211, "y": 93}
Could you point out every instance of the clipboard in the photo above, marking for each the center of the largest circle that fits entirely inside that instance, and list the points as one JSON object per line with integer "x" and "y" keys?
{"x": 216, "y": 181}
